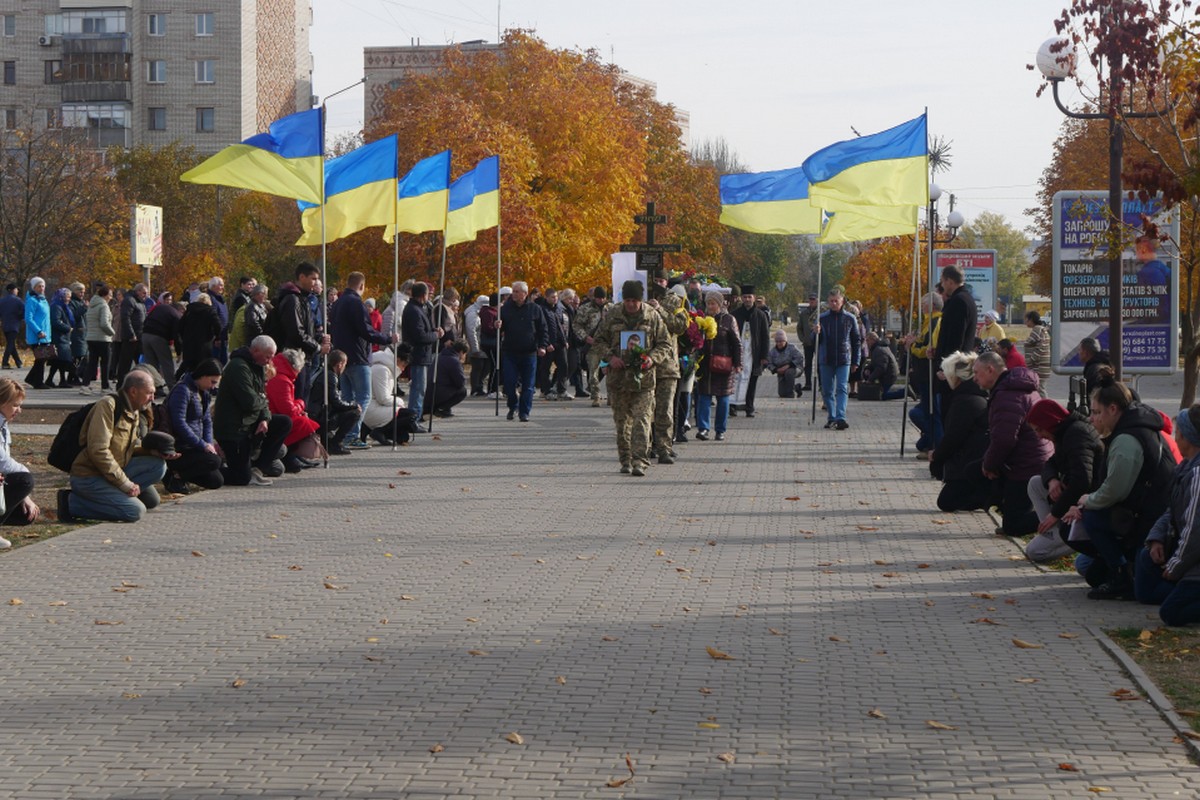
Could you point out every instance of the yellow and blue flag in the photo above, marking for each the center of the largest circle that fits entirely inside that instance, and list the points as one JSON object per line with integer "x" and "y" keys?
{"x": 474, "y": 202}
{"x": 360, "y": 192}
{"x": 769, "y": 202}
{"x": 868, "y": 222}
{"x": 890, "y": 168}
{"x": 285, "y": 161}
{"x": 423, "y": 195}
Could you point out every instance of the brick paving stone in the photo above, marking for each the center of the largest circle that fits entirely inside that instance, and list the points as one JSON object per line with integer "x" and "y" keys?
{"x": 525, "y": 542}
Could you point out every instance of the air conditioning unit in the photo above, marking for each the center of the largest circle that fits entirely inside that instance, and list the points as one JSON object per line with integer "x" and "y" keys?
{"x": 44, "y": 41}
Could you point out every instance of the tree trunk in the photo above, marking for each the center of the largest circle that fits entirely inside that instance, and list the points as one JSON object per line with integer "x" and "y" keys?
{"x": 1191, "y": 373}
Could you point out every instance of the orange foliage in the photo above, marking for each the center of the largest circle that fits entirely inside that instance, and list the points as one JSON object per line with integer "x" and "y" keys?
{"x": 880, "y": 275}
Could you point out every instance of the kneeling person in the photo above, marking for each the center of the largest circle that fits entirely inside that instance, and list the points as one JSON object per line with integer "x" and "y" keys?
{"x": 113, "y": 477}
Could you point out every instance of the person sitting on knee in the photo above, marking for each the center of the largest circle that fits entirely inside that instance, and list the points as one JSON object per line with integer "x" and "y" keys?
{"x": 189, "y": 409}
{"x": 19, "y": 508}
{"x": 113, "y": 476}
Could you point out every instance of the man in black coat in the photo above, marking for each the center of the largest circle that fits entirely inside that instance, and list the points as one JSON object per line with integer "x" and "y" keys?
{"x": 957, "y": 332}
{"x": 1093, "y": 359}
{"x": 293, "y": 326}
{"x": 350, "y": 327}
{"x": 760, "y": 342}
{"x": 417, "y": 329}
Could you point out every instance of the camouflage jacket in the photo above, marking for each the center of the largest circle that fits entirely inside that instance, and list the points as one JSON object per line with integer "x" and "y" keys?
{"x": 655, "y": 341}
{"x": 675, "y": 317}
{"x": 588, "y": 318}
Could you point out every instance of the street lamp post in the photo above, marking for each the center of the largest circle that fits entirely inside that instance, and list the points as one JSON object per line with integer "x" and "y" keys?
{"x": 1056, "y": 61}
{"x": 954, "y": 221}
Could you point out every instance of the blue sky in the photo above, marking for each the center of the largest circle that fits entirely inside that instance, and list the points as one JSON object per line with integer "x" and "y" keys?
{"x": 776, "y": 79}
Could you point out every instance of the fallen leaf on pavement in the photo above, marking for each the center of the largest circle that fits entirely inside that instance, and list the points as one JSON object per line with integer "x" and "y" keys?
{"x": 836, "y": 639}
{"x": 16, "y": 601}
{"x": 1028, "y": 680}
{"x": 1145, "y": 635}
{"x": 437, "y": 748}
{"x": 987, "y": 621}
{"x": 1065, "y": 767}
{"x": 58, "y": 603}
{"x": 515, "y": 738}
{"x": 879, "y": 562}
{"x": 131, "y": 695}
{"x": 876, "y": 713}
{"x": 892, "y": 574}
{"x": 276, "y": 636}
{"x": 774, "y": 632}
{"x": 561, "y": 680}
{"x": 295, "y": 568}
{"x": 922, "y": 566}
{"x": 477, "y": 652}
{"x": 940, "y": 726}
{"x": 866, "y": 527}
{"x": 1099, "y": 789}
{"x": 110, "y": 622}
{"x": 983, "y": 595}
{"x": 705, "y": 690}
{"x": 238, "y": 683}
{"x": 404, "y": 472}
{"x": 793, "y": 499}
{"x": 197, "y": 554}
{"x": 333, "y": 586}
{"x": 940, "y": 521}
{"x": 712, "y": 726}
{"x": 407, "y": 597}
{"x": 728, "y": 758}
{"x": 1024, "y": 645}
{"x": 1068, "y": 636}
{"x": 472, "y": 619}
{"x": 718, "y": 655}
{"x": 610, "y": 638}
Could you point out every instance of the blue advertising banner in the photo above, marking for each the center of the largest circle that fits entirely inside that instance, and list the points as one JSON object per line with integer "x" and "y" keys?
{"x": 1149, "y": 283}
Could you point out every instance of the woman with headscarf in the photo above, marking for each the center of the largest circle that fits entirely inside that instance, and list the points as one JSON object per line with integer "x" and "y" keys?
{"x": 958, "y": 458}
{"x": 722, "y": 359}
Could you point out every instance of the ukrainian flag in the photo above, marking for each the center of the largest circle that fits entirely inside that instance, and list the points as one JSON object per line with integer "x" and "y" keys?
{"x": 769, "y": 202}
{"x": 869, "y": 222}
{"x": 883, "y": 169}
{"x": 285, "y": 161}
{"x": 474, "y": 202}
{"x": 360, "y": 191}
{"x": 423, "y": 196}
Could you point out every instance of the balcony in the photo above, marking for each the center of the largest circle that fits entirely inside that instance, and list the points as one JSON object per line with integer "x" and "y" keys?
{"x": 97, "y": 91}
{"x": 80, "y": 43}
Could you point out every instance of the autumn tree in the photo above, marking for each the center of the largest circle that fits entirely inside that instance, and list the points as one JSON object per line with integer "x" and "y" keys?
{"x": 59, "y": 212}
{"x": 1145, "y": 57}
{"x": 991, "y": 231}
{"x": 880, "y": 275}
{"x": 581, "y": 152}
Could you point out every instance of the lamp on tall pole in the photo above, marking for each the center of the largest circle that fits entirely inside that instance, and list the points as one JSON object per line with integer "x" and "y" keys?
{"x": 954, "y": 221}
{"x": 1056, "y": 60}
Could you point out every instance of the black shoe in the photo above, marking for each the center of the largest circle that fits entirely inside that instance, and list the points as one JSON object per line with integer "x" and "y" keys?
{"x": 733, "y": 411}
{"x": 308, "y": 463}
{"x": 702, "y": 435}
{"x": 63, "y": 504}
{"x": 512, "y": 414}
{"x": 829, "y": 424}
{"x": 419, "y": 429}
{"x": 720, "y": 437}
{"x": 339, "y": 450}
{"x": 524, "y": 418}
{"x": 176, "y": 486}
{"x": 443, "y": 414}
{"x": 680, "y": 438}
{"x": 272, "y": 470}
{"x": 1119, "y": 588}
{"x": 749, "y": 415}
{"x": 841, "y": 424}
{"x": 292, "y": 465}
{"x": 666, "y": 458}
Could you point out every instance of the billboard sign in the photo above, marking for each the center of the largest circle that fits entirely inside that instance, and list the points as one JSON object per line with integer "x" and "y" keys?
{"x": 979, "y": 272}
{"x": 1149, "y": 283}
{"x": 146, "y": 236}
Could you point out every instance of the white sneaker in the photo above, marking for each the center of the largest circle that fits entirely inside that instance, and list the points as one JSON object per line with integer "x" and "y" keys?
{"x": 4, "y": 543}
{"x": 258, "y": 479}
{"x": 491, "y": 396}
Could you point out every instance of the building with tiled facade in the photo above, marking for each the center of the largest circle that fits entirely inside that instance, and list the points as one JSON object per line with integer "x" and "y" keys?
{"x": 133, "y": 72}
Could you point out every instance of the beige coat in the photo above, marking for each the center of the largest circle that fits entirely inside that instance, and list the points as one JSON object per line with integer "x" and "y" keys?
{"x": 110, "y": 442}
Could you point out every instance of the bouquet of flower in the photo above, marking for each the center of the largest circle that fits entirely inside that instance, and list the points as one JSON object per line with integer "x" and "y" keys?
{"x": 708, "y": 325}
{"x": 639, "y": 361}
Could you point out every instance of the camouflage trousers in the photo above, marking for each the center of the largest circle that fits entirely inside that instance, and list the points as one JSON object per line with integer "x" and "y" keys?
{"x": 664, "y": 414}
{"x": 593, "y": 373}
{"x": 632, "y": 413}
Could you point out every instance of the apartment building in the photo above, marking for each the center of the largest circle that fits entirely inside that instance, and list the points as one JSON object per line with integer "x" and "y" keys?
{"x": 132, "y": 72}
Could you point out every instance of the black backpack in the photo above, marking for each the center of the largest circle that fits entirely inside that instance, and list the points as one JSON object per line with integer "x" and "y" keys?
{"x": 66, "y": 445}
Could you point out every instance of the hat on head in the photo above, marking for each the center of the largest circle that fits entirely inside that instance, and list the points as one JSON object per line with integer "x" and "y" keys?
{"x": 678, "y": 290}
{"x": 633, "y": 290}
{"x": 505, "y": 291}
{"x": 36, "y": 282}
{"x": 600, "y": 293}
{"x": 482, "y": 299}
{"x": 812, "y": 295}
{"x": 206, "y": 368}
{"x": 159, "y": 442}
{"x": 1047, "y": 414}
{"x": 993, "y": 316}
{"x": 748, "y": 288}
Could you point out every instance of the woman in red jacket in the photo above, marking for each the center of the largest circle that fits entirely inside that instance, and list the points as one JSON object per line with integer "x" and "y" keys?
{"x": 281, "y": 399}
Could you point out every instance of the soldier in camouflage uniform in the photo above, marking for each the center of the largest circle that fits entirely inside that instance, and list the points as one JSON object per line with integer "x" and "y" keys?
{"x": 630, "y": 388}
{"x": 674, "y": 315}
{"x": 587, "y": 324}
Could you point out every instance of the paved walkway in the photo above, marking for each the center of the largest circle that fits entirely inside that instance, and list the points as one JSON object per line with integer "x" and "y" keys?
{"x": 503, "y": 578}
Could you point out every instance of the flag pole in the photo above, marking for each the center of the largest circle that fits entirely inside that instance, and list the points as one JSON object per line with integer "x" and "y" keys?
{"x": 437, "y": 350}
{"x": 320, "y": 299}
{"x": 499, "y": 280}
{"x": 817, "y": 341}
{"x": 394, "y": 303}
{"x": 914, "y": 313}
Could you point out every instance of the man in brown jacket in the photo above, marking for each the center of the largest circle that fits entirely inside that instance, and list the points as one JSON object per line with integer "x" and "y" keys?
{"x": 113, "y": 476}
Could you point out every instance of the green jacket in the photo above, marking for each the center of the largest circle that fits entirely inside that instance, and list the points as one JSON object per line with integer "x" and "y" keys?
{"x": 241, "y": 398}
{"x": 675, "y": 317}
{"x": 656, "y": 342}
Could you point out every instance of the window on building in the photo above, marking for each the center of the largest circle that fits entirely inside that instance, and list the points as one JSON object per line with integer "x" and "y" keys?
{"x": 54, "y": 118}
{"x": 10, "y": 119}
{"x": 54, "y": 24}
{"x": 10, "y": 24}
{"x": 206, "y": 71}
{"x": 156, "y": 71}
{"x": 96, "y": 67}
{"x": 158, "y": 119}
{"x": 156, "y": 24}
{"x": 10, "y": 73}
{"x": 106, "y": 123}
{"x": 93, "y": 21}
{"x": 54, "y": 71}
{"x": 204, "y": 24}
{"x": 206, "y": 121}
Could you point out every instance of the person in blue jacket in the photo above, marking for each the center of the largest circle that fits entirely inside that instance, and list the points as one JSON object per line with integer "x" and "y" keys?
{"x": 37, "y": 330}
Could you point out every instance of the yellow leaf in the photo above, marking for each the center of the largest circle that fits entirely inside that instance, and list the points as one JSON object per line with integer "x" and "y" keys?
{"x": 372, "y": 639}
{"x": 1028, "y": 680}
{"x": 58, "y": 603}
{"x": 940, "y": 726}
{"x": 718, "y": 655}
{"x": 1145, "y": 635}
{"x": 407, "y": 597}
{"x": 617, "y": 783}
{"x": 1024, "y": 645}
{"x": 197, "y": 554}
{"x": 472, "y": 619}
{"x": 728, "y": 758}
{"x": 477, "y": 652}
{"x": 1068, "y": 636}
{"x": 986, "y": 621}
{"x": 515, "y": 738}
{"x": 110, "y": 622}
{"x": 879, "y": 562}
{"x": 335, "y": 587}
{"x": 712, "y": 726}
{"x": 388, "y": 555}
{"x": 876, "y": 713}
{"x": 983, "y": 595}
{"x": 705, "y": 690}
{"x": 437, "y": 748}
{"x": 16, "y": 601}
{"x": 774, "y": 632}
{"x": 131, "y": 695}
{"x": 561, "y": 680}
{"x": 836, "y": 639}
{"x": 1099, "y": 789}
{"x": 276, "y": 636}
{"x": 238, "y": 683}
{"x": 609, "y": 639}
